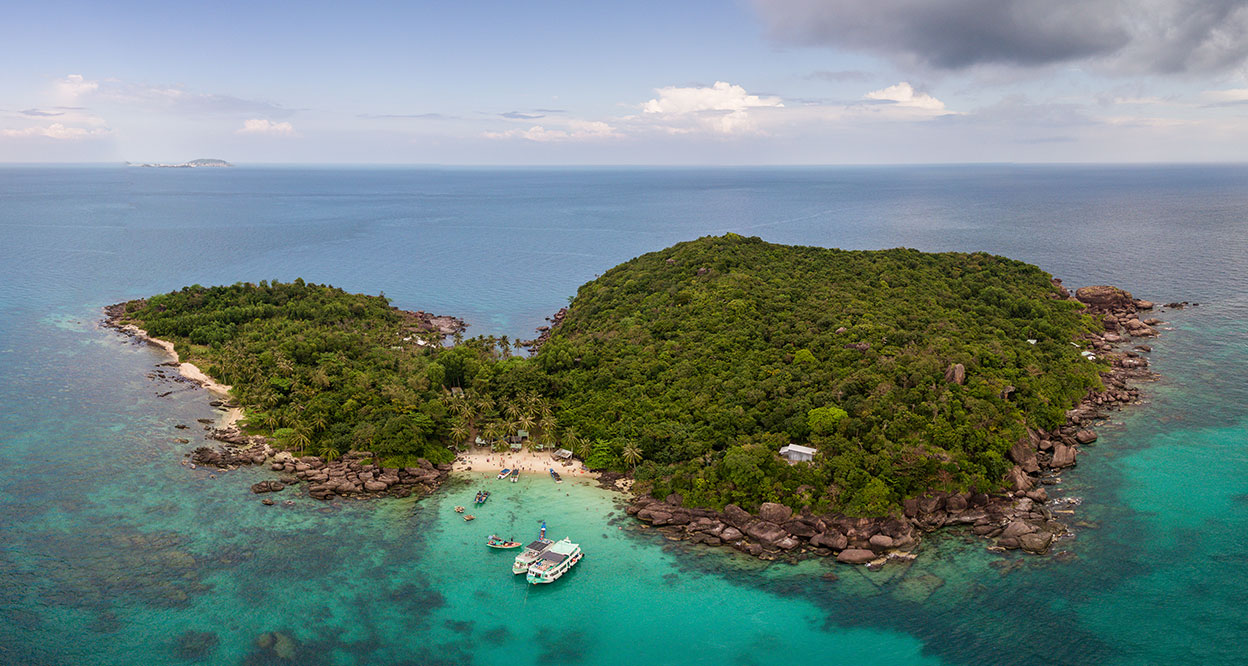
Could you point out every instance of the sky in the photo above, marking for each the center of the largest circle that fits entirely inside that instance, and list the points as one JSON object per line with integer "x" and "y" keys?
{"x": 689, "y": 82}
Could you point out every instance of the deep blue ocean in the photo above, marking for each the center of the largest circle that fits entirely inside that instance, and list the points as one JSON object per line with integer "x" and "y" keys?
{"x": 113, "y": 552}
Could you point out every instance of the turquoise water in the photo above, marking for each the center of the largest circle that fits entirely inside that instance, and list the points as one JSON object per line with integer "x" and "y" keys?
{"x": 113, "y": 550}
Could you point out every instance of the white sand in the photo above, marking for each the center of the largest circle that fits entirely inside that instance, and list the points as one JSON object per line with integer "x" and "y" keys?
{"x": 232, "y": 415}
{"x": 480, "y": 459}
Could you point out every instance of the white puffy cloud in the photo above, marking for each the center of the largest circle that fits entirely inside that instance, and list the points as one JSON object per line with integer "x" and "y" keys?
{"x": 57, "y": 131}
{"x": 75, "y": 86}
{"x": 267, "y": 127}
{"x": 721, "y": 108}
{"x": 577, "y": 130}
{"x": 903, "y": 95}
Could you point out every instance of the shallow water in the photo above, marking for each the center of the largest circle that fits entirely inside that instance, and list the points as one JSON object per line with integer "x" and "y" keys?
{"x": 113, "y": 550}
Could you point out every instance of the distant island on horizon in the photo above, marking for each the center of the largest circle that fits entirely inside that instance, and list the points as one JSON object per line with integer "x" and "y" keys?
{"x": 202, "y": 162}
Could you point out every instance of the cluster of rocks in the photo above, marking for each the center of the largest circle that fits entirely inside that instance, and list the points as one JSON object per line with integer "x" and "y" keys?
{"x": 421, "y": 321}
{"x": 1018, "y": 518}
{"x": 544, "y": 332}
{"x": 778, "y": 532}
{"x": 351, "y": 476}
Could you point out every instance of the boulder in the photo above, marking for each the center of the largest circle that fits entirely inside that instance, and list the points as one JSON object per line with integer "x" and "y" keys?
{"x": 1085, "y": 436}
{"x": 1104, "y": 298}
{"x": 736, "y": 516}
{"x": 956, "y": 374}
{"x": 766, "y": 533}
{"x": 1063, "y": 456}
{"x": 881, "y": 541}
{"x": 856, "y": 556}
{"x": 955, "y": 503}
{"x": 1024, "y": 454}
{"x": 374, "y": 486}
{"x": 832, "y": 540}
{"x": 799, "y": 528}
{"x": 1016, "y": 529}
{"x": 730, "y": 534}
{"x": 1035, "y": 542}
{"x": 1143, "y": 305}
{"x": 774, "y": 513}
{"x": 1017, "y": 479}
{"x": 787, "y": 543}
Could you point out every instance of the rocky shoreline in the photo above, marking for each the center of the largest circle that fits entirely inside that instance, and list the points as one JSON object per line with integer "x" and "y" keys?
{"x": 1021, "y": 516}
{"x": 350, "y": 476}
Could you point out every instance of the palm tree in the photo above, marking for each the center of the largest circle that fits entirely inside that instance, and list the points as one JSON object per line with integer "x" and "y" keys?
{"x": 459, "y": 432}
{"x": 319, "y": 422}
{"x": 548, "y": 425}
{"x": 631, "y": 455}
{"x": 494, "y": 430}
{"x": 513, "y": 410}
{"x": 300, "y": 439}
{"x": 328, "y": 454}
{"x": 272, "y": 421}
{"x": 525, "y": 421}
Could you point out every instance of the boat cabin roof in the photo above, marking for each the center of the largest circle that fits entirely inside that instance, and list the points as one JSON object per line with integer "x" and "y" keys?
{"x": 540, "y": 544}
{"x": 553, "y": 557}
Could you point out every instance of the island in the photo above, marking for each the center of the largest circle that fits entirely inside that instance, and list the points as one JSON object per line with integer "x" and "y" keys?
{"x": 785, "y": 401}
{"x": 202, "y": 163}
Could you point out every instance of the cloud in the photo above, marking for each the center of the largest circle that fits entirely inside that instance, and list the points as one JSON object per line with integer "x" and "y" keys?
{"x": 57, "y": 131}
{"x": 576, "y": 130}
{"x": 38, "y": 113}
{"x": 517, "y": 115}
{"x": 723, "y": 108}
{"x": 1149, "y": 37}
{"x": 1230, "y": 97}
{"x": 266, "y": 127}
{"x": 163, "y": 98}
{"x": 839, "y": 76}
{"x": 418, "y": 116}
{"x": 904, "y": 96}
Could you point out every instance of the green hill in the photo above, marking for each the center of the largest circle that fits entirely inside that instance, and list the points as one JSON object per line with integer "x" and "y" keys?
{"x": 708, "y": 356}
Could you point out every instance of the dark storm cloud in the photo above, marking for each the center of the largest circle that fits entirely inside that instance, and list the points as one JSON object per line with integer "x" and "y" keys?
{"x": 1124, "y": 36}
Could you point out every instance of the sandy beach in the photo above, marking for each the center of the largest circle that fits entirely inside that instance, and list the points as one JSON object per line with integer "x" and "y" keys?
{"x": 231, "y": 415}
{"x": 480, "y": 459}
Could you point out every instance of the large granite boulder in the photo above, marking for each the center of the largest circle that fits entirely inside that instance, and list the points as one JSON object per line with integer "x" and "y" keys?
{"x": 1104, "y": 298}
{"x": 774, "y": 513}
{"x": 765, "y": 532}
{"x": 736, "y": 516}
{"x": 856, "y": 556}
{"x": 1024, "y": 453}
{"x": 1063, "y": 456}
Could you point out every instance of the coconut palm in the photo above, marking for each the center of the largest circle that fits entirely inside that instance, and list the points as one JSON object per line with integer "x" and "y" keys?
{"x": 525, "y": 421}
{"x": 459, "y": 432}
{"x": 319, "y": 422}
{"x": 328, "y": 454}
{"x": 272, "y": 421}
{"x": 300, "y": 440}
{"x": 513, "y": 410}
{"x": 548, "y": 425}
{"x": 631, "y": 455}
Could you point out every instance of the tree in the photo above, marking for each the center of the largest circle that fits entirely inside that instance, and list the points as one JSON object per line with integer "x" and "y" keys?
{"x": 823, "y": 420}
{"x": 631, "y": 455}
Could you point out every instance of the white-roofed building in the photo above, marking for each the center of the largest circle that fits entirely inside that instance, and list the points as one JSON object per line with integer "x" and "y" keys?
{"x": 797, "y": 453}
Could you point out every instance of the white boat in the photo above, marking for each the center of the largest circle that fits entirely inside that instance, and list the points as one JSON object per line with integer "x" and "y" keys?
{"x": 530, "y": 554}
{"x": 554, "y": 562}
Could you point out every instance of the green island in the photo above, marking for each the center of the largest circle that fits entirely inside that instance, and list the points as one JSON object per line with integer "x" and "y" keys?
{"x": 690, "y": 367}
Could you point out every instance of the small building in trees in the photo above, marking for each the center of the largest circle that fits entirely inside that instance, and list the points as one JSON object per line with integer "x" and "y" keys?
{"x": 797, "y": 453}
{"x": 563, "y": 454}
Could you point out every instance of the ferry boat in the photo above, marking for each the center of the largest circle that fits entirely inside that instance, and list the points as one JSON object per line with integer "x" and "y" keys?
{"x": 555, "y": 475}
{"x": 530, "y": 555}
{"x": 503, "y": 474}
{"x": 555, "y": 561}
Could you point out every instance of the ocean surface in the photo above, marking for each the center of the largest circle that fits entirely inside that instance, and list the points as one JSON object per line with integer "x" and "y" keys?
{"x": 113, "y": 552}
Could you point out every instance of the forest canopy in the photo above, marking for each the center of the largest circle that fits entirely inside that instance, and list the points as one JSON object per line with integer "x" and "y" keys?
{"x": 692, "y": 366}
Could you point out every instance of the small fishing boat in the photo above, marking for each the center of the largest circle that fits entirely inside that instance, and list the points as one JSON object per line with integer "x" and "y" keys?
{"x": 469, "y": 517}
{"x": 482, "y": 495}
{"x": 515, "y": 475}
{"x": 555, "y": 561}
{"x": 555, "y": 475}
{"x": 459, "y": 509}
{"x": 503, "y": 474}
{"x": 495, "y": 541}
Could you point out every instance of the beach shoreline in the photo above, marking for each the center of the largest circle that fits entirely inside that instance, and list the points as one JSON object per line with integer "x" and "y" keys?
{"x": 480, "y": 459}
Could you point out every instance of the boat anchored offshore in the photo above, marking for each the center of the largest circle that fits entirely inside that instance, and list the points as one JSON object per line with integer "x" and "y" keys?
{"x": 482, "y": 495}
{"x": 503, "y": 474}
{"x": 530, "y": 554}
{"x": 555, "y": 561}
{"x": 495, "y": 541}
